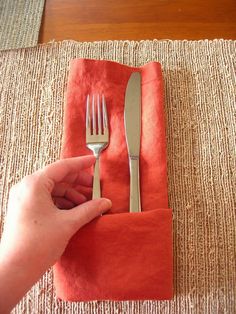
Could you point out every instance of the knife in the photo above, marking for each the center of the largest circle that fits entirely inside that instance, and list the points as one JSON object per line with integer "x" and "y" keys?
{"x": 132, "y": 118}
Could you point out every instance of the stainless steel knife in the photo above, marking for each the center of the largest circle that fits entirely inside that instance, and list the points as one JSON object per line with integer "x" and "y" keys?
{"x": 132, "y": 117}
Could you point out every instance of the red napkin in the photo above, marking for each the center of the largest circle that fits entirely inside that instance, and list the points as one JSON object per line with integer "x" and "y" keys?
{"x": 120, "y": 255}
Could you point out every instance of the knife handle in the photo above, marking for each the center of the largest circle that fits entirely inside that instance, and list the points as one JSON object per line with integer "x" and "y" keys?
{"x": 134, "y": 204}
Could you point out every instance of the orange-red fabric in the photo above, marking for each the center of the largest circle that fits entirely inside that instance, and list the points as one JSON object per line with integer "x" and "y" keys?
{"x": 120, "y": 255}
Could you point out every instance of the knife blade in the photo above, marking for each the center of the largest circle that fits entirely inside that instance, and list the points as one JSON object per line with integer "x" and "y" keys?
{"x": 132, "y": 119}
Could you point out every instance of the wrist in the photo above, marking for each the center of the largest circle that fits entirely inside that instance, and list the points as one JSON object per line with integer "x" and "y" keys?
{"x": 17, "y": 276}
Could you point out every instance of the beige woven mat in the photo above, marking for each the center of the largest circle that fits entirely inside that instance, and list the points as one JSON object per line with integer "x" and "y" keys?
{"x": 20, "y": 23}
{"x": 200, "y": 107}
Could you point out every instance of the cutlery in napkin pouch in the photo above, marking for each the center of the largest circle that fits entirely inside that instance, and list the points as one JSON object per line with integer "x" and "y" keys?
{"x": 120, "y": 255}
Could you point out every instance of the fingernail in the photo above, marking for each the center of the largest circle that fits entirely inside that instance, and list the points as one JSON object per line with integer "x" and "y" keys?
{"x": 106, "y": 203}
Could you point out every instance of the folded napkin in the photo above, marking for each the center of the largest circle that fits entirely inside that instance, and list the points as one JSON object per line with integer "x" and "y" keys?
{"x": 120, "y": 255}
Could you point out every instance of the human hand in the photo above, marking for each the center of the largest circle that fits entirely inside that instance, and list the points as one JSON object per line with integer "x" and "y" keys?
{"x": 37, "y": 230}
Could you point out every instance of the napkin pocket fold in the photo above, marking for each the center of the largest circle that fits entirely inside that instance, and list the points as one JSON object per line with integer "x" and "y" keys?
{"x": 125, "y": 256}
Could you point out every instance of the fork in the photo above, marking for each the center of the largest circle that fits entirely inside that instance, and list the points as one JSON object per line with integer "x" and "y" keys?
{"x": 97, "y": 135}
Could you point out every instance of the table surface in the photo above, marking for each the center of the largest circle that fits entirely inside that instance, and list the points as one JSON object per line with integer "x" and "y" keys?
{"x": 91, "y": 20}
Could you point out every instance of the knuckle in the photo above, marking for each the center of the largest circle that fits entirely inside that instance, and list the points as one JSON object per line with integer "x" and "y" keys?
{"x": 15, "y": 194}
{"x": 57, "y": 162}
{"x": 30, "y": 183}
{"x": 13, "y": 190}
{"x": 86, "y": 214}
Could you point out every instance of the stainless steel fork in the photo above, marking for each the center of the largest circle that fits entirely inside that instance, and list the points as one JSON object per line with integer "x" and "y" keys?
{"x": 97, "y": 134}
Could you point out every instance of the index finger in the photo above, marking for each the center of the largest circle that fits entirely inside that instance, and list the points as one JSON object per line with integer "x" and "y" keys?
{"x": 58, "y": 170}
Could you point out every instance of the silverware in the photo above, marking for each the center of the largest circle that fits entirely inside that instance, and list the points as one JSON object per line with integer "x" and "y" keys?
{"x": 132, "y": 117}
{"x": 97, "y": 134}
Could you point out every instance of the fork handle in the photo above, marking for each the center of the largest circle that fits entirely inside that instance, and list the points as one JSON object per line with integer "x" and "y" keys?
{"x": 96, "y": 180}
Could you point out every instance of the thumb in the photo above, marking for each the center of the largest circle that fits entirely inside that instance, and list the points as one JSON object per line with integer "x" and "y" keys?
{"x": 84, "y": 213}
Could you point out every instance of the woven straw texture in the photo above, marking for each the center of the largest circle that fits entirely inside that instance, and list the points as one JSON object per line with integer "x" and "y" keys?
{"x": 20, "y": 23}
{"x": 200, "y": 107}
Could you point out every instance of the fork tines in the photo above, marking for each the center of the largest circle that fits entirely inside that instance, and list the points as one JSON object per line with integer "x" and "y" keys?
{"x": 96, "y": 119}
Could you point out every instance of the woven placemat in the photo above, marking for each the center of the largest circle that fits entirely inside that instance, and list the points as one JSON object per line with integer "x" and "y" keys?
{"x": 20, "y": 23}
{"x": 200, "y": 106}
